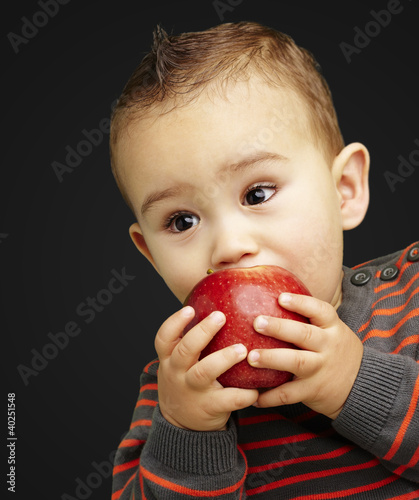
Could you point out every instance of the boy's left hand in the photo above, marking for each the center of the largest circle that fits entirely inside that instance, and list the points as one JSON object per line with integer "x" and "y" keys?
{"x": 326, "y": 366}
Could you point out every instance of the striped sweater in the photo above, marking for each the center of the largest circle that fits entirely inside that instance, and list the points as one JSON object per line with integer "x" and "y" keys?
{"x": 371, "y": 451}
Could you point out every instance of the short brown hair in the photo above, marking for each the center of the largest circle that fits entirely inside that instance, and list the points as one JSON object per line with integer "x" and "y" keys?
{"x": 179, "y": 68}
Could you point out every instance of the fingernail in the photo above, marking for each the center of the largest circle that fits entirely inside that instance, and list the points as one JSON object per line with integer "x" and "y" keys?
{"x": 217, "y": 317}
{"x": 261, "y": 323}
{"x": 253, "y": 357}
{"x": 240, "y": 349}
{"x": 284, "y": 298}
{"x": 187, "y": 311}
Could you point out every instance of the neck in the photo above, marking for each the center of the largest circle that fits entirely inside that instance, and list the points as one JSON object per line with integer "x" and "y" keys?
{"x": 337, "y": 297}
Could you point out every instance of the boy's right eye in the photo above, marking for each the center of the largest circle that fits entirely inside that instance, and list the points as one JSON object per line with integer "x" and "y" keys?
{"x": 180, "y": 222}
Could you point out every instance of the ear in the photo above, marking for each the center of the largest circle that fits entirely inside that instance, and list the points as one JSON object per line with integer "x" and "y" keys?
{"x": 139, "y": 241}
{"x": 350, "y": 170}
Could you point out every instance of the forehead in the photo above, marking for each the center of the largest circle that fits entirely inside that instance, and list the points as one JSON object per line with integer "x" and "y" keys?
{"x": 212, "y": 130}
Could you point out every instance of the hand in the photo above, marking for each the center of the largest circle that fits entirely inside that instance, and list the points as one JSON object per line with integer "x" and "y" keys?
{"x": 326, "y": 366}
{"x": 189, "y": 394}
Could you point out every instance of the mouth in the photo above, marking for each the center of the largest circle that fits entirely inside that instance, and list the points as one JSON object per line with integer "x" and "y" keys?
{"x": 252, "y": 266}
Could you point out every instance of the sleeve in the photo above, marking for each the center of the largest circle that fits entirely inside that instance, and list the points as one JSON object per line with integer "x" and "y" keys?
{"x": 157, "y": 460}
{"x": 381, "y": 413}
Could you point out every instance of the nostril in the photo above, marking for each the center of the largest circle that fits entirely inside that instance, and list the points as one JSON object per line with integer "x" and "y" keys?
{"x": 230, "y": 251}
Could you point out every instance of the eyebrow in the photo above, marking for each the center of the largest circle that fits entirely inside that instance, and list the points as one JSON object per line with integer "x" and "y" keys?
{"x": 160, "y": 196}
{"x": 253, "y": 160}
{"x": 241, "y": 165}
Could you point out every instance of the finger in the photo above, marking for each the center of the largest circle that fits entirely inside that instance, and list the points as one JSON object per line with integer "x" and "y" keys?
{"x": 232, "y": 399}
{"x": 319, "y": 313}
{"x": 289, "y": 393}
{"x": 303, "y": 335}
{"x": 300, "y": 363}
{"x": 171, "y": 331}
{"x": 187, "y": 351}
{"x": 208, "y": 369}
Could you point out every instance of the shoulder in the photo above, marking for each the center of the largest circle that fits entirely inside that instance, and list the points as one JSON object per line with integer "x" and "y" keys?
{"x": 383, "y": 289}
{"x": 389, "y": 268}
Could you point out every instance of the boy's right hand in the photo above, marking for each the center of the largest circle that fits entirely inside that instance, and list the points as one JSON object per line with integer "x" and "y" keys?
{"x": 190, "y": 397}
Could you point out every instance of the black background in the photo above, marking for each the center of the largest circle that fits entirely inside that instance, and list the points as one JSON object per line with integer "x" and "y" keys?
{"x": 60, "y": 241}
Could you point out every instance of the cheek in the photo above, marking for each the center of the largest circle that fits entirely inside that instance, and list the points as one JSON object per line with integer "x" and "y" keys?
{"x": 173, "y": 274}
{"x": 180, "y": 265}
{"x": 178, "y": 274}
{"x": 316, "y": 251}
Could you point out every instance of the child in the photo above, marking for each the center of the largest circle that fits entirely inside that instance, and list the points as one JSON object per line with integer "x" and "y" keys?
{"x": 226, "y": 146}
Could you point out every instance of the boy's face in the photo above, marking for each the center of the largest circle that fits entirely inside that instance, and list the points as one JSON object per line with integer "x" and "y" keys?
{"x": 234, "y": 182}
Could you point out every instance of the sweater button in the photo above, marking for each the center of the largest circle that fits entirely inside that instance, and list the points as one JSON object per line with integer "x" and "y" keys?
{"x": 361, "y": 278}
{"x": 389, "y": 273}
{"x": 413, "y": 254}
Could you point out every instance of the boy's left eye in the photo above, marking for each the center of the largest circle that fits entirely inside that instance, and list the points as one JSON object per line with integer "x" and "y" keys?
{"x": 258, "y": 194}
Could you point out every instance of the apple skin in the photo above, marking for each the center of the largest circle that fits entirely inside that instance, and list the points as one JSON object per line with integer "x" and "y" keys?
{"x": 242, "y": 294}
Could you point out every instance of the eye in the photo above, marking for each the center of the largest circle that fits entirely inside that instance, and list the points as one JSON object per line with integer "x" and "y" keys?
{"x": 179, "y": 222}
{"x": 256, "y": 195}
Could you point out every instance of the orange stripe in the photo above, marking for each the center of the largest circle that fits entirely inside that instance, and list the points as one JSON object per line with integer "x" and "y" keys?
{"x": 257, "y": 419}
{"x": 128, "y": 465}
{"x": 397, "y": 292}
{"x": 405, "y": 424}
{"x": 392, "y": 331}
{"x": 401, "y": 270}
{"x": 412, "y": 462}
{"x": 256, "y": 445}
{"x": 143, "y": 497}
{"x": 314, "y": 475}
{"x": 388, "y": 312}
{"x": 118, "y": 493}
{"x": 147, "y": 367}
{"x": 177, "y": 488}
{"x": 402, "y": 256}
{"x": 305, "y": 416}
{"x": 352, "y": 491}
{"x": 146, "y": 402}
{"x": 414, "y": 339}
{"x": 271, "y": 417}
{"x": 395, "y": 282}
{"x": 149, "y": 387}
{"x": 398, "y": 263}
{"x": 305, "y": 436}
{"x": 126, "y": 443}
{"x": 407, "y": 496}
{"x": 363, "y": 264}
{"x": 137, "y": 423}
{"x": 297, "y": 460}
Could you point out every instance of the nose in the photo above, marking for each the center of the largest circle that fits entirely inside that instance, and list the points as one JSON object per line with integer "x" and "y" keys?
{"x": 234, "y": 243}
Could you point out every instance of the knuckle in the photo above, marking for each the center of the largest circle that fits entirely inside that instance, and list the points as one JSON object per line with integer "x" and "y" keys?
{"x": 205, "y": 327}
{"x": 183, "y": 350}
{"x": 282, "y": 398}
{"x": 300, "y": 362}
{"x": 157, "y": 343}
{"x": 277, "y": 327}
{"x": 230, "y": 354}
{"x": 239, "y": 400}
{"x": 307, "y": 332}
{"x": 325, "y": 309}
{"x": 225, "y": 356}
{"x": 267, "y": 357}
{"x": 198, "y": 376}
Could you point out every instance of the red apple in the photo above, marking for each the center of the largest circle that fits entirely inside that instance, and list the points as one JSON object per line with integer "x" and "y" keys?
{"x": 242, "y": 294}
